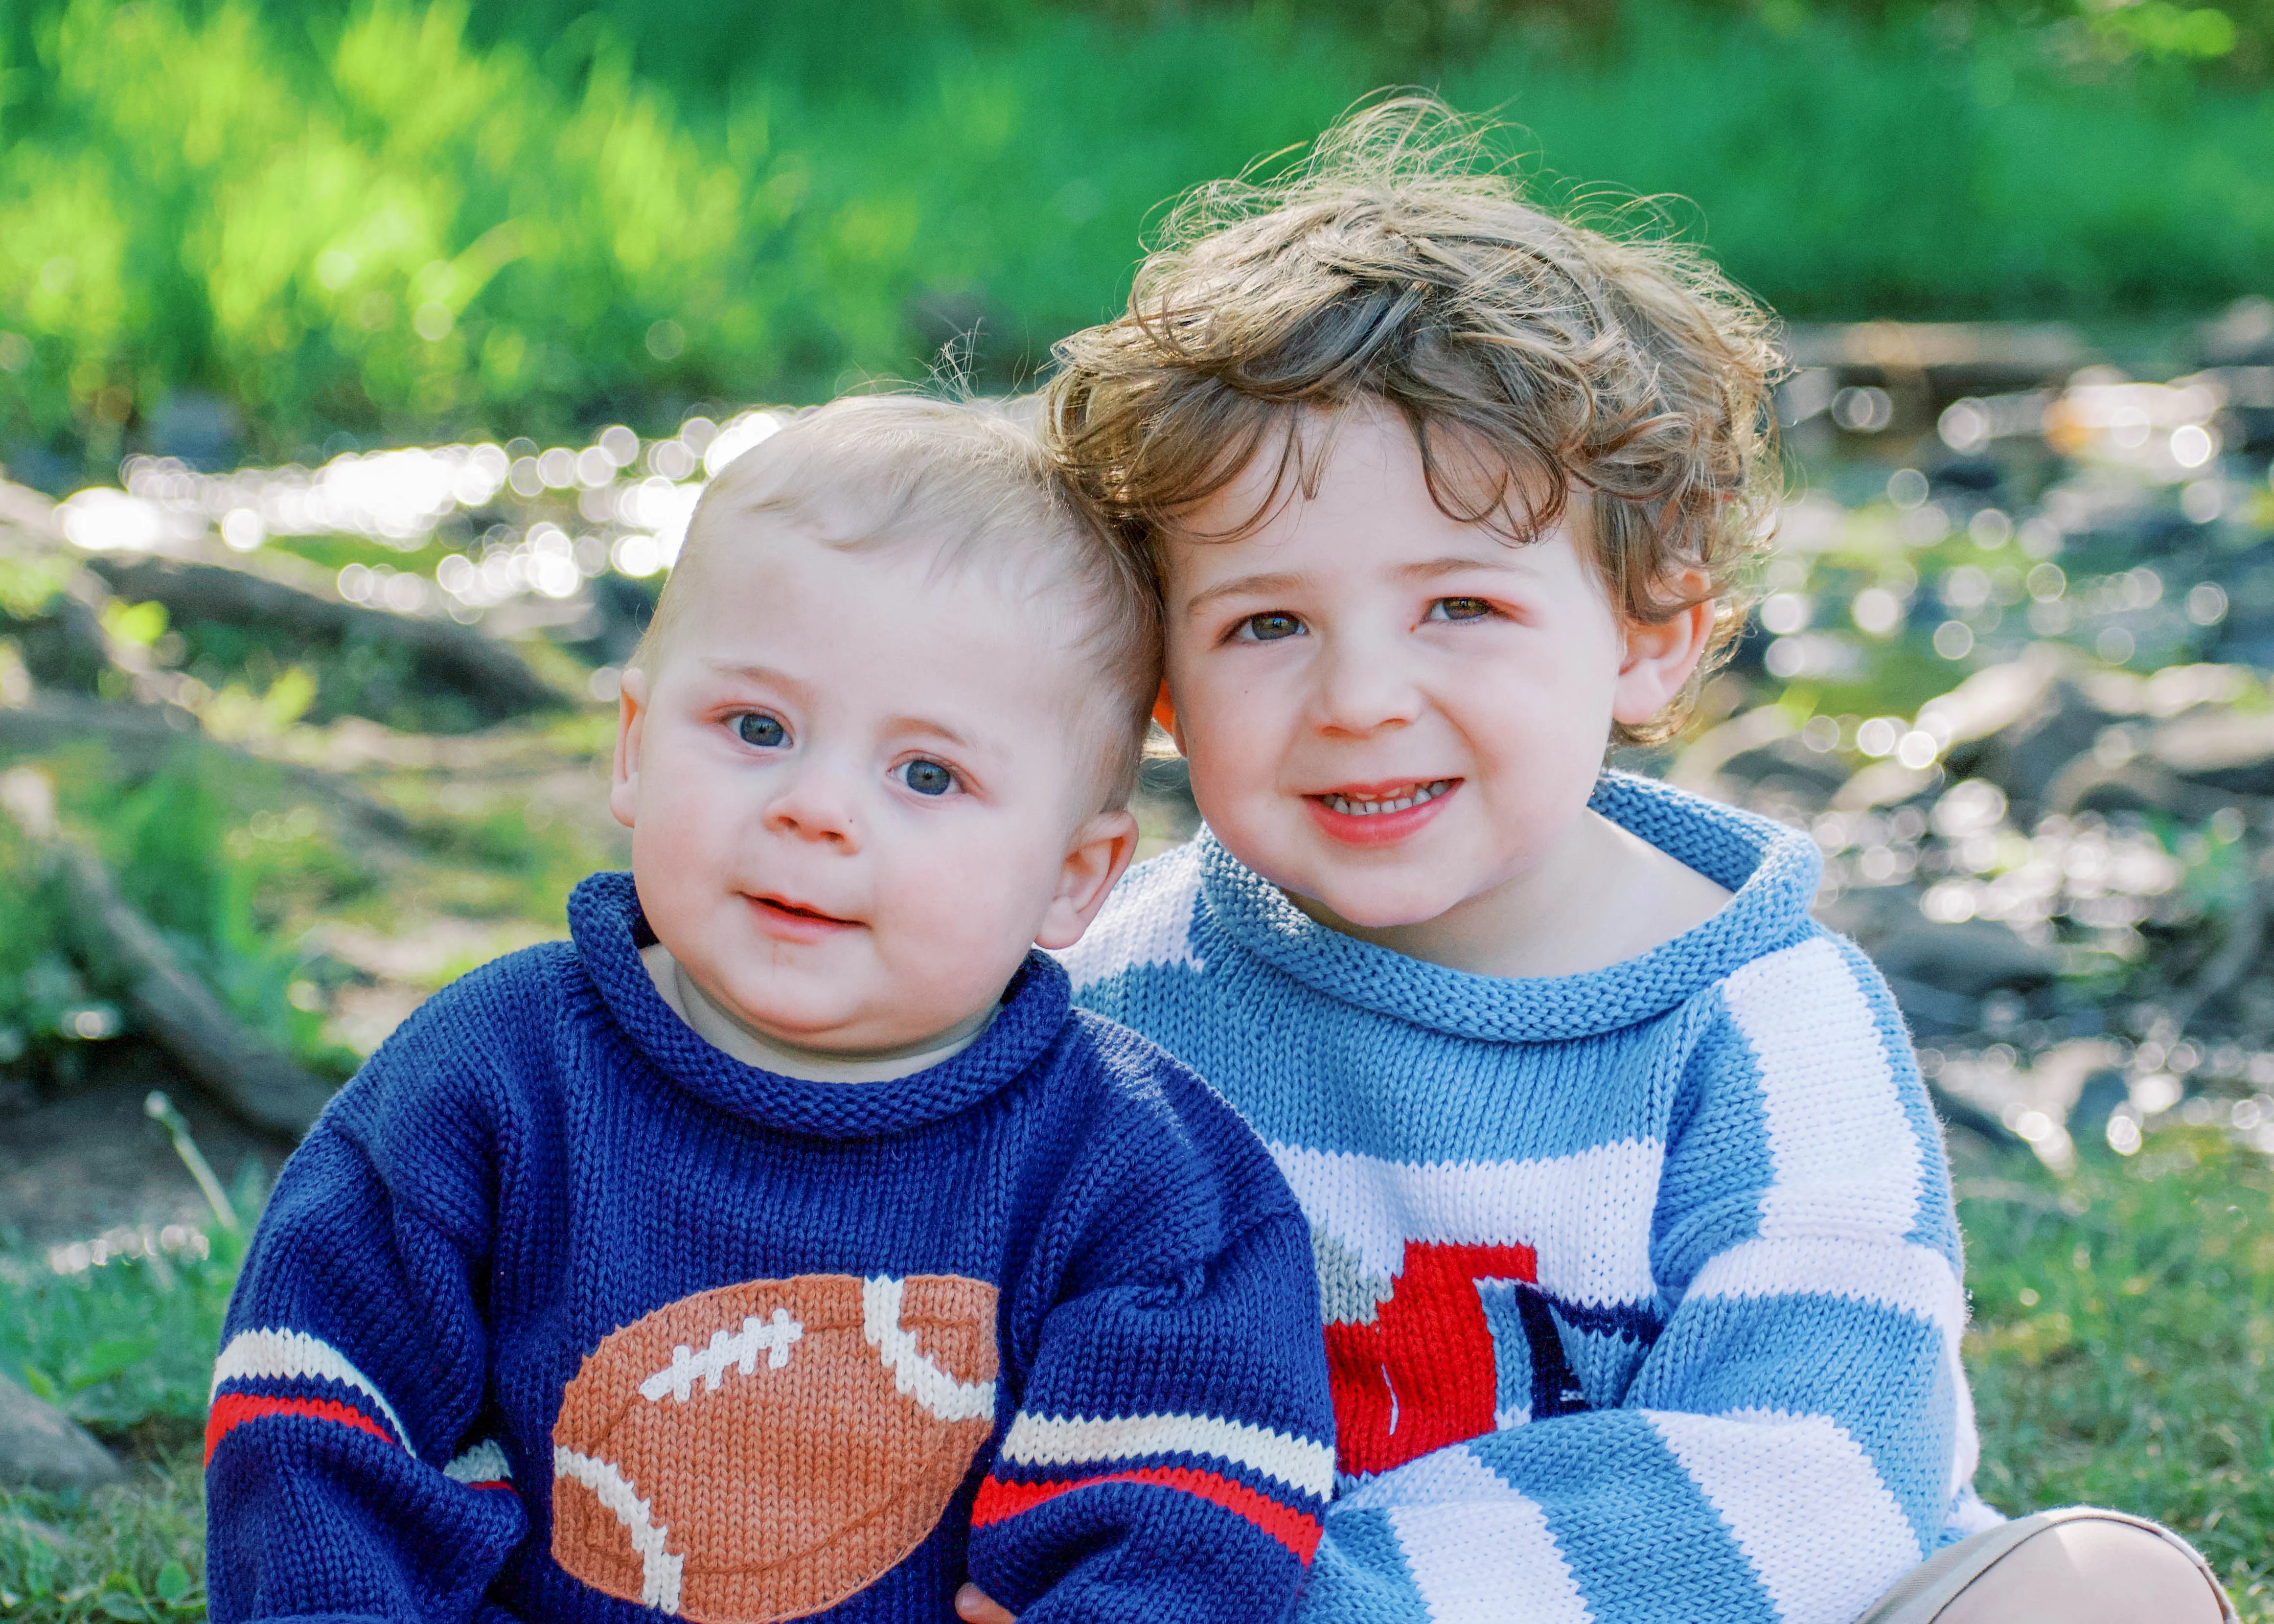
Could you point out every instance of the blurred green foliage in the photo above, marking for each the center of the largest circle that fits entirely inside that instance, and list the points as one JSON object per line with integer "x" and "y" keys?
{"x": 253, "y": 225}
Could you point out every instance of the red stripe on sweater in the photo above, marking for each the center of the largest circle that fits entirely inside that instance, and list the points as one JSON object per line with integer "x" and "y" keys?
{"x": 232, "y": 1410}
{"x": 1298, "y": 1530}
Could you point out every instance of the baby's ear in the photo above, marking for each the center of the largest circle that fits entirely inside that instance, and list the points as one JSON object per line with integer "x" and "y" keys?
{"x": 1659, "y": 658}
{"x": 631, "y": 720}
{"x": 1099, "y": 853}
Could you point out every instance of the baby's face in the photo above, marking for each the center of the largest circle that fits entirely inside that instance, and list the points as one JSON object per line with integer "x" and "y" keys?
{"x": 858, "y": 792}
{"x": 1387, "y": 711}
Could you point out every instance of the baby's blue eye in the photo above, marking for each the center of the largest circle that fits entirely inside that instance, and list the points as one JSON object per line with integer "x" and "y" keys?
{"x": 1459, "y": 609}
{"x": 756, "y": 727}
{"x": 927, "y": 777}
{"x": 1271, "y": 627}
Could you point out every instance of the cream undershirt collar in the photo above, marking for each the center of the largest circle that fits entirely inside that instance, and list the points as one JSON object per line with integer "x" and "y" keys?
{"x": 721, "y": 1030}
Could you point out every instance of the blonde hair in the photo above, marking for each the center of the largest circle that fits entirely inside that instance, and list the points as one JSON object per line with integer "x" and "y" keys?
{"x": 971, "y": 482}
{"x": 1401, "y": 265}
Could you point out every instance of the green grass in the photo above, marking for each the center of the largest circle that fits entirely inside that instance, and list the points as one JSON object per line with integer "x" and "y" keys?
{"x": 2122, "y": 1326}
{"x": 2122, "y": 1329}
{"x": 397, "y": 218}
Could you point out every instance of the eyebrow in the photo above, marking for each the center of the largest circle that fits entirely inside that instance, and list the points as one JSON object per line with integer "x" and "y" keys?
{"x": 1425, "y": 570}
{"x": 1454, "y": 564}
{"x": 756, "y": 673}
{"x": 925, "y": 725}
{"x": 1242, "y": 586}
{"x": 898, "y": 724}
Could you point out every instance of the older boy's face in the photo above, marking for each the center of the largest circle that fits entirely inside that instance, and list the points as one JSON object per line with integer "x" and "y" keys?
{"x": 1388, "y": 712}
{"x": 857, "y": 793}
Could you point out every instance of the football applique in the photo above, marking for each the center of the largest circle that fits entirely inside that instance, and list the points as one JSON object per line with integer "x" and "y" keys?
{"x": 764, "y": 1450}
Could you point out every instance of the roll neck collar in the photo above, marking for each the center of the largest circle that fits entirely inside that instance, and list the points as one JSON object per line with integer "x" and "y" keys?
{"x": 1771, "y": 871}
{"x": 609, "y": 929}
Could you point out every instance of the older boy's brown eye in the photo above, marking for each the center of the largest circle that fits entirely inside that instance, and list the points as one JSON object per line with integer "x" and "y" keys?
{"x": 1460, "y": 609}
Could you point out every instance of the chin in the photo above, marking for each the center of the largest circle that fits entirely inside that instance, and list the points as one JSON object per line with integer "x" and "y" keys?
{"x": 1386, "y": 910}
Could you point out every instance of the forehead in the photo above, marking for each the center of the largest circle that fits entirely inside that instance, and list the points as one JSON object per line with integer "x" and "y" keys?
{"x": 888, "y": 625}
{"x": 1350, "y": 496}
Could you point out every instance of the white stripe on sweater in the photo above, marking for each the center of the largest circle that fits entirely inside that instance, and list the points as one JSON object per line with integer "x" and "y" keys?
{"x": 483, "y": 1463}
{"x": 1052, "y": 1441}
{"x": 1846, "y": 1159}
{"x": 1478, "y": 1552}
{"x": 1820, "y": 1529}
{"x": 1148, "y": 926}
{"x": 660, "y": 1566}
{"x": 1587, "y": 1216}
{"x": 295, "y": 1356}
{"x": 1911, "y": 1279}
{"x": 1908, "y": 1278}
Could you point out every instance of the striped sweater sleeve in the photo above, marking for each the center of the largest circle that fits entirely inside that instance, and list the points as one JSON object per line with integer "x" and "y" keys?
{"x": 342, "y": 1476}
{"x": 1798, "y": 1431}
{"x": 1172, "y": 1454}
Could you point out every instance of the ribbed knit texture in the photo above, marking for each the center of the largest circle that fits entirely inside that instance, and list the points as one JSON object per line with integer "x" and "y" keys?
{"x": 561, "y": 1314}
{"x": 1641, "y": 1287}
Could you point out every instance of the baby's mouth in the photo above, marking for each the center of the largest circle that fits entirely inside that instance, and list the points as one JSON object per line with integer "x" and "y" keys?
{"x": 1376, "y": 800}
{"x": 781, "y": 908}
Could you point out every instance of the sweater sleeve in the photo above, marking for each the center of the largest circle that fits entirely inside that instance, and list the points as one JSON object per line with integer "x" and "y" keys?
{"x": 1798, "y": 1433}
{"x": 346, "y": 1474}
{"x": 1171, "y": 1454}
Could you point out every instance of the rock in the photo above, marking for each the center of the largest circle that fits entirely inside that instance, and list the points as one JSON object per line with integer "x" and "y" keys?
{"x": 1968, "y": 959}
{"x": 2224, "y": 749}
{"x": 2025, "y": 757}
{"x": 1885, "y": 783}
{"x": 40, "y": 1448}
{"x": 1932, "y": 1012}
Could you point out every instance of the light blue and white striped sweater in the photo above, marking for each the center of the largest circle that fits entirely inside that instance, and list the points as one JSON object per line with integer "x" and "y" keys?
{"x": 1642, "y": 1286}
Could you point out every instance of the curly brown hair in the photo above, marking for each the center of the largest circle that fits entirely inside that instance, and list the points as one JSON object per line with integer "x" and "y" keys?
{"x": 1401, "y": 263}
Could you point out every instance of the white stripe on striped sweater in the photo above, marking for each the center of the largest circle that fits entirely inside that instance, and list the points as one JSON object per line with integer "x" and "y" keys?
{"x": 483, "y": 1462}
{"x": 1478, "y": 1552}
{"x": 295, "y": 1356}
{"x": 1588, "y": 1215}
{"x": 1779, "y": 1483}
{"x": 1150, "y": 923}
{"x": 1845, "y": 1156}
{"x": 1052, "y": 1441}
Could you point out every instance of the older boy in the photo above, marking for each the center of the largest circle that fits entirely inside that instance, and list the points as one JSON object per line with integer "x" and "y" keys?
{"x": 1638, "y": 1266}
{"x": 783, "y": 1246}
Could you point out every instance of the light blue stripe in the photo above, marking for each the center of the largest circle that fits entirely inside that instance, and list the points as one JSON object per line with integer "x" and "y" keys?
{"x": 1359, "y": 1576}
{"x": 1879, "y": 1374}
{"x": 1645, "y": 1545}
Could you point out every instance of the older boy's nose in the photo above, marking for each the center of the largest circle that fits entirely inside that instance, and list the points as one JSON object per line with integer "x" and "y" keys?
{"x": 1362, "y": 690}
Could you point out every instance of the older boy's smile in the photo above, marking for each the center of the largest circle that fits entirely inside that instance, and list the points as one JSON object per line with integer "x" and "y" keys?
{"x": 1380, "y": 814}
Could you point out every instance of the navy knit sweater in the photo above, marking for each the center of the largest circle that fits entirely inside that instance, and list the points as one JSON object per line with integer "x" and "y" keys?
{"x": 561, "y": 1313}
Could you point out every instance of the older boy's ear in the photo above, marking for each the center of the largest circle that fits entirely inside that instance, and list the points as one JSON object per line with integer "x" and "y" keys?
{"x": 631, "y": 721}
{"x": 1101, "y": 851}
{"x": 1658, "y": 660}
{"x": 1164, "y": 712}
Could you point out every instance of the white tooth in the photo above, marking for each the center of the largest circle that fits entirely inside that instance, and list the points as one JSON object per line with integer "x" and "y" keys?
{"x": 1371, "y": 807}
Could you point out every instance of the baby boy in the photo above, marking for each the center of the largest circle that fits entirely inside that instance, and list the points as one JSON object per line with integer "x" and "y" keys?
{"x": 785, "y": 1244}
